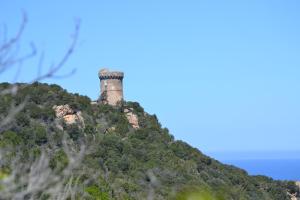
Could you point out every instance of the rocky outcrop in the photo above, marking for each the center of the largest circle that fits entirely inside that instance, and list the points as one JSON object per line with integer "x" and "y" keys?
{"x": 132, "y": 118}
{"x": 295, "y": 196}
{"x": 68, "y": 114}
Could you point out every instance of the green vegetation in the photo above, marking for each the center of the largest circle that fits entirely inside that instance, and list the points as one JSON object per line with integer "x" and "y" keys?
{"x": 120, "y": 162}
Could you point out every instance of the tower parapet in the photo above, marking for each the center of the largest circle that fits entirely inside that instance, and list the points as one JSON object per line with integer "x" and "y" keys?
{"x": 111, "y": 84}
{"x": 104, "y": 74}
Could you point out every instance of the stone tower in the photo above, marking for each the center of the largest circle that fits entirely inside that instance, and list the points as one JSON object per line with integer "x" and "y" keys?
{"x": 111, "y": 84}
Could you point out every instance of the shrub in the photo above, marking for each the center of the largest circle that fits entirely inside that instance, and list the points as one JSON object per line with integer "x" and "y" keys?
{"x": 96, "y": 194}
{"x": 10, "y": 138}
{"x": 40, "y": 134}
{"x": 59, "y": 160}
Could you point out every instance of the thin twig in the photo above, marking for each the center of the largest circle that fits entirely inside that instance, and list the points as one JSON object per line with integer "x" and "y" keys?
{"x": 55, "y": 68}
{"x": 16, "y": 38}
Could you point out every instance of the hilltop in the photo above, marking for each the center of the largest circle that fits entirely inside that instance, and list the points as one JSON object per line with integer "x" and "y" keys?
{"x": 98, "y": 151}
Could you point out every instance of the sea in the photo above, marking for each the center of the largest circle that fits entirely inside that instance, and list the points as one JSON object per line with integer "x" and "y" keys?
{"x": 279, "y": 169}
{"x": 277, "y": 165}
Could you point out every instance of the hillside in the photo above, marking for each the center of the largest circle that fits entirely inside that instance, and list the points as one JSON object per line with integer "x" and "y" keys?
{"x": 98, "y": 154}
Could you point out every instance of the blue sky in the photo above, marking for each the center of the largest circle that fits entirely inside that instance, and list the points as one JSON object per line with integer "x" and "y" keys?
{"x": 221, "y": 75}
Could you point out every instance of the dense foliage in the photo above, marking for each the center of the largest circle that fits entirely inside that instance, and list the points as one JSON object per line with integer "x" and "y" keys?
{"x": 121, "y": 162}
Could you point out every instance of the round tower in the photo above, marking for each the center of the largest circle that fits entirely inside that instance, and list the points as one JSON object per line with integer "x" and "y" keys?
{"x": 111, "y": 84}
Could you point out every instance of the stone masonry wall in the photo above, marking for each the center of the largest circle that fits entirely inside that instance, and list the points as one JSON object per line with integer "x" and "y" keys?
{"x": 111, "y": 84}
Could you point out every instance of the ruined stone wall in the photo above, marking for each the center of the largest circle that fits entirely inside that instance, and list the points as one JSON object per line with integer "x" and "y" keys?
{"x": 111, "y": 84}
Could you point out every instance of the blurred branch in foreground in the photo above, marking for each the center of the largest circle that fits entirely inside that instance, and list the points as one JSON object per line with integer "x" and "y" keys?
{"x": 9, "y": 59}
{"x": 31, "y": 178}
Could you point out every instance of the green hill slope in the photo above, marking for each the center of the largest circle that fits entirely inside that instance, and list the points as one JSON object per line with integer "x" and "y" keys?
{"x": 103, "y": 157}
